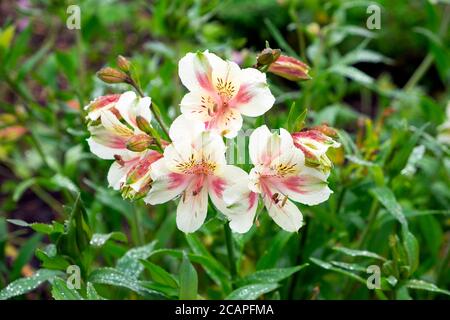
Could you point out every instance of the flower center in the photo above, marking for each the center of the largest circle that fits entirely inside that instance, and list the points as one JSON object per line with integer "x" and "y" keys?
{"x": 194, "y": 167}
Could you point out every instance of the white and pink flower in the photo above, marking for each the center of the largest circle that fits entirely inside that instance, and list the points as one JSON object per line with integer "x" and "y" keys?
{"x": 280, "y": 175}
{"x": 220, "y": 92}
{"x": 193, "y": 168}
{"x": 117, "y": 126}
{"x": 314, "y": 144}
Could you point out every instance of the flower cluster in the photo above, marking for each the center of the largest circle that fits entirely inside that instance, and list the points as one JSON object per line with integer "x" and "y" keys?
{"x": 192, "y": 166}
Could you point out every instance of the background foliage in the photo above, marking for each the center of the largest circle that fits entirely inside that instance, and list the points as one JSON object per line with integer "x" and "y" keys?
{"x": 384, "y": 90}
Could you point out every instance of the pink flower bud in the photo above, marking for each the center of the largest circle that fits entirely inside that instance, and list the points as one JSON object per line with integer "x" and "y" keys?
{"x": 139, "y": 143}
{"x": 290, "y": 68}
{"x": 111, "y": 75}
{"x": 143, "y": 124}
{"x": 314, "y": 144}
{"x": 123, "y": 63}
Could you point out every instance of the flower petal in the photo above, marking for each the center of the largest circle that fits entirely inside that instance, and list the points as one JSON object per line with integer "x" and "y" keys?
{"x": 258, "y": 142}
{"x": 233, "y": 198}
{"x": 254, "y": 97}
{"x": 284, "y": 213}
{"x": 265, "y": 146}
{"x": 212, "y": 149}
{"x": 309, "y": 187}
{"x": 117, "y": 172}
{"x": 192, "y": 208}
{"x": 198, "y": 105}
{"x": 166, "y": 185}
{"x": 195, "y": 71}
{"x": 104, "y": 151}
{"x": 226, "y": 78}
{"x": 130, "y": 106}
{"x": 226, "y": 123}
{"x": 185, "y": 129}
{"x": 95, "y": 107}
{"x": 112, "y": 124}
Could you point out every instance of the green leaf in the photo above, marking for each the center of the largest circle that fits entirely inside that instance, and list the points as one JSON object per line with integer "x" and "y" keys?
{"x": 130, "y": 262}
{"x": 349, "y": 266}
{"x": 270, "y": 275}
{"x": 188, "y": 280}
{"x": 299, "y": 123}
{"x": 363, "y": 55}
{"x": 76, "y": 239}
{"x": 115, "y": 277}
{"x": 388, "y": 200}
{"x": 60, "y": 291}
{"x": 50, "y": 259}
{"x": 21, "y": 188}
{"x": 98, "y": 239}
{"x": 329, "y": 266}
{"x": 271, "y": 255}
{"x": 412, "y": 249}
{"x": 91, "y": 293}
{"x": 213, "y": 268}
{"x": 359, "y": 253}
{"x": 44, "y": 228}
{"x": 423, "y": 285}
{"x": 252, "y": 291}
{"x": 276, "y": 34}
{"x": 25, "y": 254}
{"x": 25, "y": 285}
{"x": 353, "y": 74}
{"x": 160, "y": 275}
{"x": 215, "y": 272}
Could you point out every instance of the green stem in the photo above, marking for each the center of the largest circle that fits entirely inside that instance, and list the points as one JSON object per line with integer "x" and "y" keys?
{"x": 420, "y": 72}
{"x": 428, "y": 60}
{"x": 137, "y": 226}
{"x": 152, "y": 108}
{"x": 372, "y": 217}
{"x": 48, "y": 199}
{"x": 230, "y": 250}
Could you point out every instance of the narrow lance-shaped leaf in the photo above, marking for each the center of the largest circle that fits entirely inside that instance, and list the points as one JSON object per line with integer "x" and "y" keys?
{"x": 252, "y": 291}
{"x": 188, "y": 280}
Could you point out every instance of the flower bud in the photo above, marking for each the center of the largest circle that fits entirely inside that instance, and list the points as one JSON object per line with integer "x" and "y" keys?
{"x": 123, "y": 63}
{"x": 290, "y": 68}
{"x": 326, "y": 130}
{"x": 143, "y": 124}
{"x": 267, "y": 56}
{"x": 111, "y": 75}
{"x": 139, "y": 143}
{"x": 314, "y": 144}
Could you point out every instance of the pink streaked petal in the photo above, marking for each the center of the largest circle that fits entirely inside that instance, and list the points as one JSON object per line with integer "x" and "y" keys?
{"x": 176, "y": 180}
{"x": 252, "y": 200}
{"x": 218, "y": 186}
{"x": 194, "y": 70}
{"x": 142, "y": 167}
{"x": 254, "y": 97}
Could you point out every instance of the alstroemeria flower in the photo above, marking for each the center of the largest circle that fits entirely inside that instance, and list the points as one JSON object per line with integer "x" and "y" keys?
{"x": 220, "y": 92}
{"x": 130, "y": 173}
{"x": 280, "y": 175}
{"x": 116, "y": 127}
{"x": 290, "y": 68}
{"x": 194, "y": 167}
{"x": 314, "y": 144}
{"x": 444, "y": 129}
{"x": 113, "y": 122}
